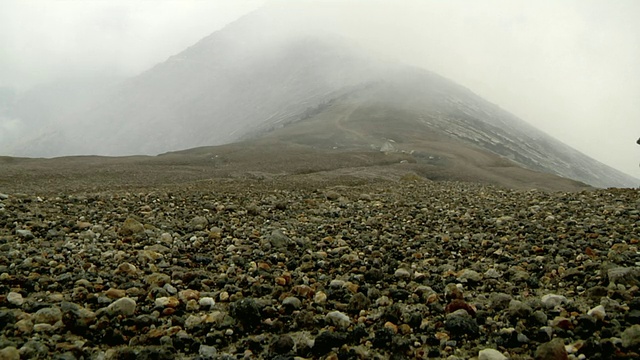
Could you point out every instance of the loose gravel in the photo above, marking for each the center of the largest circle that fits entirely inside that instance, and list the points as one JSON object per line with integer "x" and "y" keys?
{"x": 383, "y": 270}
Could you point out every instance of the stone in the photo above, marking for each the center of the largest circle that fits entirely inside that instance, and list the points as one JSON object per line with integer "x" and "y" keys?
{"x": 246, "y": 311}
{"x": 166, "y": 238}
{"x": 320, "y": 297}
{"x": 279, "y": 240}
{"x": 552, "y": 350}
{"x": 199, "y": 223}
{"x": 77, "y": 318}
{"x": 193, "y": 321}
{"x": 328, "y": 340}
{"x": 7, "y": 317}
{"x": 48, "y": 315}
{"x": 206, "y": 302}
{"x": 125, "y": 306}
{"x": 468, "y": 275}
{"x": 491, "y": 354}
{"x": 550, "y": 301}
{"x": 24, "y": 326}
{"x": 157, "y": 279}
{"x": 624, "y": 275}
{"x": 9, "y": 353}
{"x": 631, "y": 337}
{"x": 282, "y": 345}
{"x": 460, "y": 324}
{"x": 33, "y": 350}
{"x": 207, "y": 352}
{"x": 598, "y": 312}
{"x": 338, "y": 319}
{"x": 167, "y": 301}
{"x": 25, "y": 234}
{"x": 130, "y": 227}
{"x": 519, "y": 310}
{"x": 499, "y": 301}
{"x": 188, "y": 294}
{"x": 15, "y": 299}
{"x": 292, "y": 303}
{"x": 402, "y": 273}
{"x": 358, "y": 302}
{"x": 115, "y": 293}
{"x": 42, "y": 328}
{"x": 127, "y": 269}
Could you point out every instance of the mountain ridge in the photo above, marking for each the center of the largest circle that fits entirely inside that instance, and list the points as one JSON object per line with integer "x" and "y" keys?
{"x": 234, "y": 86}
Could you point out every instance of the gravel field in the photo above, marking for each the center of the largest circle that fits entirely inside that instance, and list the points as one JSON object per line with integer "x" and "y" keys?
{"x": 260, "y": 269}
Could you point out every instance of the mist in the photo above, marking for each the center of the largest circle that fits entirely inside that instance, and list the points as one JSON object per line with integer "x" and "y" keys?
{"x": 566, "y": 67}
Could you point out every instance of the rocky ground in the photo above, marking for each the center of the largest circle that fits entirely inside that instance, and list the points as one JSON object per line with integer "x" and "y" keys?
{"x": 259, "y": 269}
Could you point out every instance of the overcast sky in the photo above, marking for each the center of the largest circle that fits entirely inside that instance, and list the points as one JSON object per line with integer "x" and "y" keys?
{"x": 569, "y": 67}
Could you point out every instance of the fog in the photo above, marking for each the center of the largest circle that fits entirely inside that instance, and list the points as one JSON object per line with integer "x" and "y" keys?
{"x": 567, "y": 67}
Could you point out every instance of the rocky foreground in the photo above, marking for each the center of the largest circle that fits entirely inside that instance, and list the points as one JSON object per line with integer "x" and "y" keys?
{"x": 383, "y": 270}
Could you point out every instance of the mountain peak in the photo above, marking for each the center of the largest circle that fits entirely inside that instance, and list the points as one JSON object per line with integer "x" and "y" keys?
{"x": 258, "y": 76}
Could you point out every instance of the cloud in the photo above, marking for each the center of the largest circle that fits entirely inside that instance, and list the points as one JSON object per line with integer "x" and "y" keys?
{"x": 41, "y": 40}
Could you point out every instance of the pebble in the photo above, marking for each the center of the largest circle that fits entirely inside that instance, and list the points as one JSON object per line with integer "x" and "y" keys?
{"x": 207, "y": 352}
{"x": 468, "y": 275}
{"x": 552, "y": 300}
{"x": 206, "y": 302}
{"x": 631, "y": 337}
{"x": 402, "y": 273}
{"x": 292, "y": 303}
{"x": 519, "y": 310}
{"x": 9, "y": 353}
{"x": 338, "y": 319}
{"x": 188, "y": 294}
{"x": 15, "y": 299}
{"x": 598, "y": 312}
{"x": 24, "y": 326}
{"x": 199, "y": 223}
{"x": 552, "y": 350}
{"x": 48, "y": 315}
{"x": 115, "y": 293}
{"x": 131, "y": 226}
{"x": 167, "y": 301}
{"x": 25, "y": 234}
{"x": 124, "y": 306}
{"x": 490, "y": 354}
{"x": 283, "y": 344}
{"x": 320, "y": 297}
{"x": 460, "y": 323}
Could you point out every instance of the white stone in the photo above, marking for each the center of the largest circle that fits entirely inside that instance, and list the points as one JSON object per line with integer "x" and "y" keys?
{"x": 15, "y": 298}
{"x": 338, "y": 319}
{"x": 207, "y": 352}
{"x": 402, "y": 273}
{"x": 552, "y": 300}
{"x": 598, "y": 312}
{"x": 207, "y": 302}
{"x": 491, "y": 354}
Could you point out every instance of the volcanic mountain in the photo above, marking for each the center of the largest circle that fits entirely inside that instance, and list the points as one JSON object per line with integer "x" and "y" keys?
{"x": 311, "y": 103}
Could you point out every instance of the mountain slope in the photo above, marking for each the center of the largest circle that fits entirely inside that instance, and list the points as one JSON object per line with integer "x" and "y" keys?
{"x": 252, "y": 78}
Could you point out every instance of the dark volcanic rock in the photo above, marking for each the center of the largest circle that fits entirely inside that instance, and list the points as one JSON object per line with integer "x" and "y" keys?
{"x": 328, "y": 340}
{"x": 246, "y": 311}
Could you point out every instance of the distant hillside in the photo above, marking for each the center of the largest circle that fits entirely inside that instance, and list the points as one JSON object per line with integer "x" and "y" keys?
{"x": 252, "y": 78}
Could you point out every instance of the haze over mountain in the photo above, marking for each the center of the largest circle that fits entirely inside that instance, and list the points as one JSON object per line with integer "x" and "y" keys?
{"x": 254, "y": 80}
